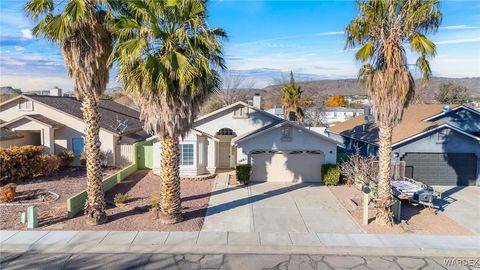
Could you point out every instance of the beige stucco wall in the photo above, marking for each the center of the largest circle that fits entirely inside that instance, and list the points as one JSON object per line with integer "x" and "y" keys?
{"x": 73, "y": 127}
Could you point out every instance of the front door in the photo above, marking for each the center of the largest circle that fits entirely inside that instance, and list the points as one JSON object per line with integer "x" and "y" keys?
{"x": 224, "y": 155}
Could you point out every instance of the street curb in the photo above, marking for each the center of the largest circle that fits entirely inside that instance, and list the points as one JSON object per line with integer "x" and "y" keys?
{"x": 214, "y": 243}
{"x": 241, "y": 249}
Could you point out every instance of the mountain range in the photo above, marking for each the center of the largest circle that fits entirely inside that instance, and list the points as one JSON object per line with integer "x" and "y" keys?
{"x": 321, "y": 88}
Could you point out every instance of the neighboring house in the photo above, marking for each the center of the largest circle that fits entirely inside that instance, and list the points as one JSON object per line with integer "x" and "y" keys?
{"x": 439, "y": 145}
{"x": 277, "y": 111}
{"x": 278, "y": 150}
{"x": 334, "y": 115}
{"x": 55, "y": 122}
{"x": 357, "y": 99}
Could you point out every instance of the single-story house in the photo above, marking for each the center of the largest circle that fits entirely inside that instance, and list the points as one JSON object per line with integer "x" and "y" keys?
{"x": 332, "y": 115}
{"x": 440, "y": 145}
{"x": 277, "y": 149}
{"x": 56, "y": 122}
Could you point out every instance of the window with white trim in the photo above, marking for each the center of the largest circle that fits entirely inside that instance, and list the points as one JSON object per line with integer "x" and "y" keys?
{"x": 25, "y": 105}
{"x": 186, "y": 153}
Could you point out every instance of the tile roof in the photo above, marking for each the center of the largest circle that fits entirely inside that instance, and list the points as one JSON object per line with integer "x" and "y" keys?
{"x": 412, "y": 124}
{"x": 110, "y": 112}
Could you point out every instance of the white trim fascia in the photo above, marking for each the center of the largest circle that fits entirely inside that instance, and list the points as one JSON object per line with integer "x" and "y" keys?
{"x": 434, "y": 129}
{"x": 255, "y": 134}
{"x": 453, "y": 109}
{"x": 235, "y": 104}
{"x": 12, "y": 99}
{"x": 27, "y": 117}
{"x": 201, "y": 133}
{"x": 74, "y": 117}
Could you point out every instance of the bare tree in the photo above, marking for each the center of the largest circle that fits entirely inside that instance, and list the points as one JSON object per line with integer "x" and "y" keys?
{"x": 233, "y": 90}
{"x": 360, "y": 170}
{"x": 315, "y": 115}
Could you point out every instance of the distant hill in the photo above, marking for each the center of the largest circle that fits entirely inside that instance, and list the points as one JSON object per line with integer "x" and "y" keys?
{"x": 318, "y": 89}
{"x": 9, "y": 90}
{"x": 112, "y": 90}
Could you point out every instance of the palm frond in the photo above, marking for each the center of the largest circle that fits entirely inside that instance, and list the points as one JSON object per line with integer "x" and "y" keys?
{"x": 422, "y": 45}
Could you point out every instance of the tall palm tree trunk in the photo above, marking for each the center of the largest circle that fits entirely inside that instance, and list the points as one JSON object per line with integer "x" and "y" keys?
{"x": 95, "y": 204}
{"x": 170, "y": 204}
{"x": 384, "y": 204}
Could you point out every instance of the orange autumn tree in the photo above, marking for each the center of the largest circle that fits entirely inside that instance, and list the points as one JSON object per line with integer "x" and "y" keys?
{"x": 335, "y": 101}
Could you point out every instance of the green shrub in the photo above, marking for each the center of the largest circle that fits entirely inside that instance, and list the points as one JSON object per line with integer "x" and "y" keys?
{"x": 330, "y": 174}
{"x": 154, "y": 199}
{"x": 243, "y": 172}
{"x": 120, "y": 198}
{"x": 19, "y": 162}
{"x": 67, "y": 157}
{"x": 48, "y": 164}
{"x": 83, "y": 158}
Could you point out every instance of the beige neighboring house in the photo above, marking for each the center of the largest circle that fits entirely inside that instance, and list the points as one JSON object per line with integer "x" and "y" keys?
{"x": 278, "y": 150}
{"x": 55, "y": 122}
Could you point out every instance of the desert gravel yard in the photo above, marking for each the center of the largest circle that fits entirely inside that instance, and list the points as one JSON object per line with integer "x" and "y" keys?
{"x": 418, "y": 219}
{"x": 66, "y": 183}
{"x": 136, "y": 215}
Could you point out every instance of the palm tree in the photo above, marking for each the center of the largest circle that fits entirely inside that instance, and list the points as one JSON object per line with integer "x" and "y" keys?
{"x": 79, "y": 27}
{"x": 382, "y": 28}
{"x": 169, "y": 60}
{"x": 292, "y": 100}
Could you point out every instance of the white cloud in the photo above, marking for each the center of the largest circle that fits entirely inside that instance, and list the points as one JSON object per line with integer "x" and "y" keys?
{"x": 12, "y": 61}
{"x": 457, "y": 41}
{"x": 459, "y": 27}
{"x": 334, "y": 33}
{"x": 26, "y": 33}
{"x": 19, "y": 48}
{"x": 28, "y": 83}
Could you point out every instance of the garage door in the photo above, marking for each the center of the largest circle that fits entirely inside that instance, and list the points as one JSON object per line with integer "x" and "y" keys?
{"x": 287, "y": 166}
{"x": 442, "y": 169}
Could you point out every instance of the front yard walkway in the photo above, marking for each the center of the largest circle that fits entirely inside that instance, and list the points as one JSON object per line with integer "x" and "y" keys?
{"x": 277, "y": 207}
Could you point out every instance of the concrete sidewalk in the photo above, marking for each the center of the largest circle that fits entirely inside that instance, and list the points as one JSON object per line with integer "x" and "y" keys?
{"x": 237, "y": 242}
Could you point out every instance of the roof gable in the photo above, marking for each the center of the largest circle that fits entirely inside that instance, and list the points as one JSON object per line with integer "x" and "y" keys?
{"x": 434, "y": 129}
{"x": 413, "y": 123}
{"x": 211, "y": 116}
{"x": 446, "y": 113}
{"x": 35, "y": 118}
{"x": 112, "y": 113}
{"x": 273, "y": 127}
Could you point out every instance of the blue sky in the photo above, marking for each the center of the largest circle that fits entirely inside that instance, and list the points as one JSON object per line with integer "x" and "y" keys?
{"x": 267, "y": 39}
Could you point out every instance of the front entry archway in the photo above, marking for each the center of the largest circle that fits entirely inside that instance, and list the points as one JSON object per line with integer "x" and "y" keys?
{"x": 226, "y": 154}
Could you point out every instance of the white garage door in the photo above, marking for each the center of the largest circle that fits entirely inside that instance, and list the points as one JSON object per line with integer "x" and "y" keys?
{"x": 287, "y": 166}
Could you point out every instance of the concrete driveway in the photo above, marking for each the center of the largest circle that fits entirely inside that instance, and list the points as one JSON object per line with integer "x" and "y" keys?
{"x": 277, "y": 207}
{"x": 461, "y": 204}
